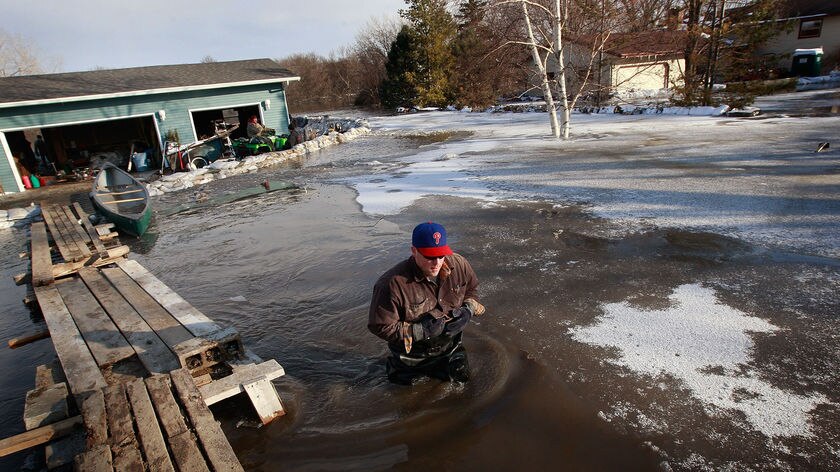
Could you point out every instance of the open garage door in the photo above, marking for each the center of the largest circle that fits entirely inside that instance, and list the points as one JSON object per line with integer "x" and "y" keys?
{"x": 89, "y": 145}
{"x": 204, "y": 120}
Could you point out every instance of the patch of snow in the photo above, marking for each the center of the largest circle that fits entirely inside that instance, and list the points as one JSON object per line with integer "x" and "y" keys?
{"x": 707, "y": 345}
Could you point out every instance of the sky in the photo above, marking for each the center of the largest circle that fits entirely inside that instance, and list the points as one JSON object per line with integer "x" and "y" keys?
{"x": 79, "y": 35}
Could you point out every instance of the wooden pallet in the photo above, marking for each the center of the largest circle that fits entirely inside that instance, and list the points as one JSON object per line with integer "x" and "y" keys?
{"x": 122, "y": 335}
{"x": 114, "y": 323}
{"x": 158, "y": 423}
{"x": 77, "y": 242}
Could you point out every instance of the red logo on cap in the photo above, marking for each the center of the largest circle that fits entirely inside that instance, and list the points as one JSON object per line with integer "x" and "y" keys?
{"x": 437, "y": 237}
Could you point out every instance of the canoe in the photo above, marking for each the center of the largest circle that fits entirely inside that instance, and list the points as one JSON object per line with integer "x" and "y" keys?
{"x": 122, "y": 199}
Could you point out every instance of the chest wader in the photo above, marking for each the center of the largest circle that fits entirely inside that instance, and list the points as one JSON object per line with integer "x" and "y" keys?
{"x": 442, "y": 357}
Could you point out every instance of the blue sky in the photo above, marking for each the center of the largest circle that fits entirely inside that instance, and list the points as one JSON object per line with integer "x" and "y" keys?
{"x": 85, "y": 34}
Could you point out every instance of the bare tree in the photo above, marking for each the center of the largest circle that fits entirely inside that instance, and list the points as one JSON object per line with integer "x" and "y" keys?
{"x": 371, "y": 52}
{"x": 18, "y": 56}
{"x": 546, "y": 25}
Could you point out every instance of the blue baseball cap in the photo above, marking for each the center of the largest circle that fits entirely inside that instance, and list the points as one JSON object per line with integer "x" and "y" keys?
{"x": 430, "y": 240}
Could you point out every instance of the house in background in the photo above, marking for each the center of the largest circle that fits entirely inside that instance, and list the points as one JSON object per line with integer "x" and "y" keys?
{"x": 650, "y": 60}
{"x": 808, "y": 24}
{"x": 80, "y": 113}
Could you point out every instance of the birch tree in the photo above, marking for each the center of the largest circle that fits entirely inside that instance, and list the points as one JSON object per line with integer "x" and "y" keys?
{"x": 545, "y": 39}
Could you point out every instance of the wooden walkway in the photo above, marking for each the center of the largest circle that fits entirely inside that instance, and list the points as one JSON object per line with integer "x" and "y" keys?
{"x": 123, "y": 337}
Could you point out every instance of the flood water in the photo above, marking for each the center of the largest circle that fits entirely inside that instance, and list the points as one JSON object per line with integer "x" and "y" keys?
{"x": 292, "y": 270}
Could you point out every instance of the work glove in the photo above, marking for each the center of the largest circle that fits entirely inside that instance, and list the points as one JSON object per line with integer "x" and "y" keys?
{"x": 459, "y": 319}
{"x": 427, "y": 327}
{"x": 477, "y": 308}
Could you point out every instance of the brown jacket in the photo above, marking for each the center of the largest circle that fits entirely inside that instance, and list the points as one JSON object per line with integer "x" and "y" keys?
{"x": 403, "y": 295}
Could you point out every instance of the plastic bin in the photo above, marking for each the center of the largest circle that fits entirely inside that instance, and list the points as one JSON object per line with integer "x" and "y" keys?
{"x": 807, "y": 62}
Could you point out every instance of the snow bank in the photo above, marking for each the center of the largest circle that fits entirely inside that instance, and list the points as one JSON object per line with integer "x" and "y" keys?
{"x": 834, "y": 76}
{"x": 223, "y": 168}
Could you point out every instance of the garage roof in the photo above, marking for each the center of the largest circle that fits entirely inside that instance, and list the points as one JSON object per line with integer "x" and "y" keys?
{"x": 640, "y": 43}
{"x": 101, "y": 84}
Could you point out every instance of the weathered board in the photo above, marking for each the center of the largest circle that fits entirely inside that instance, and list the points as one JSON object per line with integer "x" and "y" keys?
{"x": 148, "y": 430}
{"x": 151, "y": 350}
{"x": 218, "y": 449}
{"x": 79, "y": 365}
{"x": 104, "y": 339}
{"x": 40, "y": 258}
{"x": 164, "y": 324}
{"x": 192, "y": 319}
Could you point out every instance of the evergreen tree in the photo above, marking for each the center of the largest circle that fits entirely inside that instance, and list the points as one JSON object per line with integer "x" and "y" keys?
{"x": 473, "y": 81}
{"x": 434, "y": 30}
{"x": 401, "y": 70}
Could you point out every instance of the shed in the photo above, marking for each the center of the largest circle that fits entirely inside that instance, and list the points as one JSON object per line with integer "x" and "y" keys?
{"x": 643, "y": 60}
{"x": 79, "y": 114}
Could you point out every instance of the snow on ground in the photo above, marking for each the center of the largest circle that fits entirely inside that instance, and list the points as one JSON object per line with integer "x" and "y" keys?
{"x": 708, "y": 173}
{"x": 754, "y": 179}
{"x": 707, "y": 345}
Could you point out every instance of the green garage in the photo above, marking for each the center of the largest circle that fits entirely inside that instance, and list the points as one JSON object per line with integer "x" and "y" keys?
{"x": 82, "y": 116}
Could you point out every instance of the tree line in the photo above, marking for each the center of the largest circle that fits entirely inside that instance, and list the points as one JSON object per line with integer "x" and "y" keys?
{"x": 474, "y": 52}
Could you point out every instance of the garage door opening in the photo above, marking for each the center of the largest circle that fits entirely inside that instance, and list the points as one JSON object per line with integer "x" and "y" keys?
{"x": 83, "y": 147}
{"x": 204, "y": 120}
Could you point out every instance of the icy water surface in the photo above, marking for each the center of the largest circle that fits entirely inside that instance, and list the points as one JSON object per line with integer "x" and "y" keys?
{"x": 292, "y": 270}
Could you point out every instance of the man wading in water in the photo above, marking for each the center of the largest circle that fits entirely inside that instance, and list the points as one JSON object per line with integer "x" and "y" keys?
{"x": 422, "y": 305}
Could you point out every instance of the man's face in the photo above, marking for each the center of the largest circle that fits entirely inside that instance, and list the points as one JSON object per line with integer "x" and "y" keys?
{"x": 430, "y": 266}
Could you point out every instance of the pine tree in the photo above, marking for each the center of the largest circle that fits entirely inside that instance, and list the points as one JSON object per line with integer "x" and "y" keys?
{"x": 473, "y": 81}
{"x": 401, "y": 70}
{"x": 434, "y": 30}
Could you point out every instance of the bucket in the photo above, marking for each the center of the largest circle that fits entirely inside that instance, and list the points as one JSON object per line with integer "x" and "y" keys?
{"x": 27, "y": 184}
{"x": 35, "y": 182}
{"x": 141, "y": 161}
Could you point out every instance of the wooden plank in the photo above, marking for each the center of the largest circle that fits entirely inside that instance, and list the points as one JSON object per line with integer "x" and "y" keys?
{"x": 105, "y": 229}
{"x": 41, "y": 260}
{"x": 95, "y": 460}
{"x": 66, "y": 233}
{"x": 152, "y": 352}
{"x": 96, "y": 419}
{"x": 264, "y": 397}
{"x": 195, "y": 321}
{"x": 103, "y": 338}
{"x": 91, "y": 231}
{"x": 215, "y": 444}
{"x": 164, "y": 324}
{"x": 47, "y": 375}
{"x": 120, "y": 426}
{"x": 168, "y": 411}
{"x": 38, "y": 436}
{"x": 68, "y": 252}
{"x": 79, "y": 366}
{"x": 79, "y": 234}
{"x": 187, "y": 454}
{"x": 21, "y": 341}
{"x": 127, "y": 459}
{"x": 73, "y": 229}
{"x": 231, "y": 385}
{"x": 112, "y": 255}
{"x": 148, "y": 430}
{"x": 45, "y": 405}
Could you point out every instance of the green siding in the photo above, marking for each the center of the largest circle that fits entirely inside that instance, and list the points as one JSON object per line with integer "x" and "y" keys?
{"x": 176, "y": 105}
